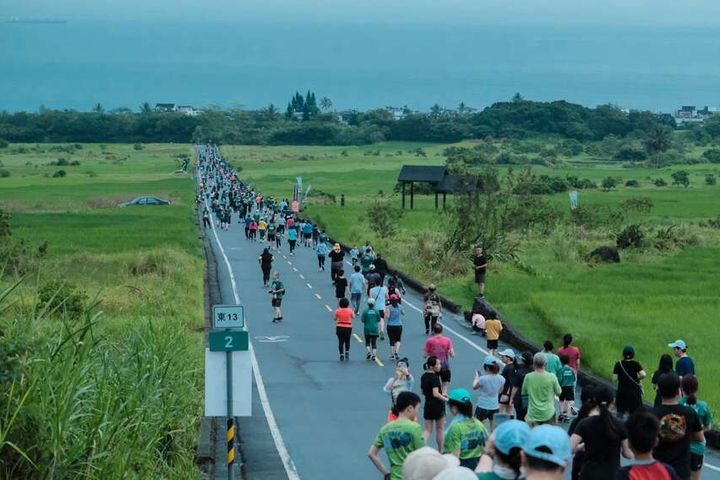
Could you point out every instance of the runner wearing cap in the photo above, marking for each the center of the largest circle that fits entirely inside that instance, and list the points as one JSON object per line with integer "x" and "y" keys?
{"x": 490, "y": 385}
{"x": 507, "y": 394}
{"x": 394, "y": 325}
{"x": 546, "y": 453}
{"x": 466, "y": 436}
{"x": 432, "y": 308}
{"x": 399, "y": 438}
{"x": 336, "y": 261}
{"x": 372, "y": 277}
{"x": 501, "y": 459}
{"x": 684, "y": 364}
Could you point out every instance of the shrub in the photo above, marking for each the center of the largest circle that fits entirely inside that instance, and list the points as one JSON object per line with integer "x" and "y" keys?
{"x": 630, "y": 236}
{"x": 59, "y": 174}
{"x": 659, "y": 182}
{"x": 629, "y": 154}
{"x": 681, "y": 177}
{"x": 632, "y": 183}
{"x": 639, "y": 204}
{"x": 137, "y": 146}
{"x": 712, "y": 155}
{"x": 4, "y": 143}
{"x": 4, "y": 173}
{"x": 580, "y": 184}
{"x": 710, "y": 179}
{"x": 608, "y": 183}
{"x": 60, "y": 162}
{"x": 383, "y": 218}
{"x": 57, "y": 298}
{"x": 74, "y": 163}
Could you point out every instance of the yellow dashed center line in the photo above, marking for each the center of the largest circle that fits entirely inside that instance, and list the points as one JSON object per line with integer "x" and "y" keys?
{"x": 357, "y": 337}
{"x": 377, "y": 360}
{"x": 328, "y": 308}
{"x": 318, "y": 296}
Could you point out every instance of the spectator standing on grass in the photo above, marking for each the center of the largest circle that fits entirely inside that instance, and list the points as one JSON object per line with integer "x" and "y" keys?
{"x": 643, "y": 428}
{"x": 603, "y": 438}
{"x": 541, "y": 387}
{"x": 399, "y": 438}
{"x": 572, "y": 352}
{"x": 546, "y": 453}
{"x": 552, "y": 361}
{"x": 684, "y": 365}
{"x": 480, "y": 267}
{"x": 628, "y": 373}
{"x": 665, "y": 366}
{"x": 679, "y": 425}
{"x": 697, "y": 449}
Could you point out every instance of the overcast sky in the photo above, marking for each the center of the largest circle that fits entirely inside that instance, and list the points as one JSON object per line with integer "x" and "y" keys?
{"x": 684, "y": 13}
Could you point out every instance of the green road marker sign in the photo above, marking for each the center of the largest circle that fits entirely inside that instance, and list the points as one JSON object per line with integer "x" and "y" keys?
{"x": 228, "y": 316}
{"x": 228, "y": 340}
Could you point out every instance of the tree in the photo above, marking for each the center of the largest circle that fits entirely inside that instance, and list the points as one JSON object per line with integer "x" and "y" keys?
{"x": 517, "y": 98}
{"x": 98, "y": 108}
{"x": 145, "y": 108}
{"x": 681, "y": 177}
{"x": 4, "y": 224}
{"x": 383, "y": 218}
{"x": 712, "y": 155}
{"x": 290, "y": 111}
{"x": 326, "y": 104}
{"x": 271, "y": 113}
{"x": 710, "y": 179}
{"x": 658, "y": 139}
{"x": 609, "y": 183}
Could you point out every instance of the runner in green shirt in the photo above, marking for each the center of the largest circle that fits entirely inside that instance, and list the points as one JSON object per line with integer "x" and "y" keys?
{"x": 466, "y": 436}
{"x": 540, "y": 387}
{"x": 690, "y": 387}
{"x": 373, "y": 327}
{"x": 399, "y": 438}
{"x": 277, "y": 290}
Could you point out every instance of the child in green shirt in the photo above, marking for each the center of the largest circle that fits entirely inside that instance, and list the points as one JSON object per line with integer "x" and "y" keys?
{"x": 567, "y": 378}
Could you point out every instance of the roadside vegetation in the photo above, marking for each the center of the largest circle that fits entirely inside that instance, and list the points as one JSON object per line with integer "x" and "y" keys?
{"x": 541, "y": 276}
{"x": 101, "y": 314}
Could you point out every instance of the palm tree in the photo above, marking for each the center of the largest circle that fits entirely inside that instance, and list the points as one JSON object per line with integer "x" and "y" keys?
{"x": 325, "y": 103}
{"x": 98, "y": 108}
{"x": 145, "y": 108}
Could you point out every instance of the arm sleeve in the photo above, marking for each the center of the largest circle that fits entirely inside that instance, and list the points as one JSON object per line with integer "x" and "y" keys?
{"x": 379, "y": 441}
{"x": 616, "y": 369}
{"x": 694, "y": 422}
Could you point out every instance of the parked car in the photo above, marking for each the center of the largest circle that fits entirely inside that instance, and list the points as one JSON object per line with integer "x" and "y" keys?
{"x": 145, "y": 200}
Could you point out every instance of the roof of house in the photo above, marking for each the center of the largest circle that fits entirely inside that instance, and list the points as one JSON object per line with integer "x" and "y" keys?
{"x": 454, "y": 184}
{"x": 422, "y": 173}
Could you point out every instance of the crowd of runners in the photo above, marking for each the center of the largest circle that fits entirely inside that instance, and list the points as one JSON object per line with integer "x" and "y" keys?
{"x": 512, "y": 428}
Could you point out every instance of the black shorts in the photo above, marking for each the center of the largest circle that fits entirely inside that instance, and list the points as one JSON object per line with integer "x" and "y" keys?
{"x": 567, "y": 393}
{"x": 271, "y": 237}
{"x": 394, "y": 333}
{"x": 445, "y": 375}
{"x": 696, "y": 462}
{"x": 307, "y": 235}
{"x": 483, "y": 414}
{"x": 433, "y": 410}
{"x": 479, "y": 277}
{"x": 276, "y": 302}
{"x": 492, "y": 344}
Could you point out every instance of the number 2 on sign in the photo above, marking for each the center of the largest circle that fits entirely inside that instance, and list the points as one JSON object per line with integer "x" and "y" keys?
{"x": 228, "y": 341}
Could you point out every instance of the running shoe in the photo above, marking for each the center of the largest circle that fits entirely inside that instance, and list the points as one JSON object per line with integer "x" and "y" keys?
{"x": 342, "y": 357}
{"x": 367, "y": 357}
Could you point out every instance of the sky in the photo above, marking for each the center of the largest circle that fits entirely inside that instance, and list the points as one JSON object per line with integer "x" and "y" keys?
{"x": 670, "y": 13}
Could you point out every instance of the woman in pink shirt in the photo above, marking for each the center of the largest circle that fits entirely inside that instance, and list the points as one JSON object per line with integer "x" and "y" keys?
{"x": 572, "y": 352}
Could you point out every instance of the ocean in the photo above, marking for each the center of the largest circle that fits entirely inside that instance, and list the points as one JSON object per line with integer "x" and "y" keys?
{"x": 122, "y": 64}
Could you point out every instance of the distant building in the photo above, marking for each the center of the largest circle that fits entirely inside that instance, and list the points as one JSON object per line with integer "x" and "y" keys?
{"x": 188, "y": 110}
{"x": 688, "y": 114}
{"x": 165, "y": 107}
{"x": 397, "y": 113}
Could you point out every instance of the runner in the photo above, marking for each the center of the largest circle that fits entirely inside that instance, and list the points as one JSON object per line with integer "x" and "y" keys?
{"x": 354, "y": 255}
{"x": 604, "y": 437}
{"x": 628, "y": 374}
{"x": 307, "y": 231}
{"x": 501, "y": 459}
{"x": 381, "y": 267}
{"x": 432, "y": 308}
{"x": 507, "y": 395}
{"x": 292, "y": 238}
{"x": 572, "y": 352}
{"x": 394, "y": 325}
{"x": 490, "y": 385}
{"x": 434, "y": 412}
{"x": 277, "y": 290}
{"x": 587, "y": 408}
{"x": 380, "y": 294}
{"x": 373, "y": 278}
{"x": 541, "y": 387}
{"x": 262, "y": 227}
{"x": 441, "y": 347}
{"x": 266, "y": 259}
{"x": 366, "y": 260}
{"x": 206, "y": 218}
{"x": 271, "y": 234}
{"x": 253, "y": 230}
{"x": 401, "y": 381}
{"x": 697, "y": 449}
{"x": 643, "y": 429}
{"x": 399, "y": 438}
{"x": 321, "y": 249}
{"x": 466, "y": 436}
{"x": 480, "y": 267}
{"x": 336, "y": 260}
{"x": 343, "y": 327}
{"x": 357, "y": 285}
{"x": 372, "y": 327}
{"x": 552, "y": 361}
{"x": 341, "y": 284}
{"x": 394, "y": 279}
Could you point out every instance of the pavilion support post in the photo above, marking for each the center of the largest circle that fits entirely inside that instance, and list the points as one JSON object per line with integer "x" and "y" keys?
{"x": 436, "y": 200}
{"x": 403, "y": 195}
{"x": 444, "y": 199}
{"x": 412, "y": 195}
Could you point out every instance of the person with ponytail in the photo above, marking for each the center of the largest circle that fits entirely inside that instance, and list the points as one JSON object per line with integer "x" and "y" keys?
{"x": 603, "y": 437}
{"x": 434, "y": 409}
{"x": 587, "y": 408}
{"x": 697, "y": 449}
{"x": 466, "y": 436}
{"x": 501, "y": 459}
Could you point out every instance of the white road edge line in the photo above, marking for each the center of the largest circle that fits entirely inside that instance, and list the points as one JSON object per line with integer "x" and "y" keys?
{"x": 318, "y": 296}
{"x": 302, "y": 276}
{"x": 288, "y": 464}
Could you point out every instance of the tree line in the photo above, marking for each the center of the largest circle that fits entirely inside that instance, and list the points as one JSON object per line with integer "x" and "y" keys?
{"x": 308, "y": 121}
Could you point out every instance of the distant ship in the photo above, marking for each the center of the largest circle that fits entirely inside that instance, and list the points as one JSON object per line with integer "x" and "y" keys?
{"x": 36, "y": 20}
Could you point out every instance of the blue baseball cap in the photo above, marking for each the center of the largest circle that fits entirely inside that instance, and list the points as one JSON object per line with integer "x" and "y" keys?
{"x": 510, "y": 434}
{"x": 460, "y": 395}
{"x": 549, "y": 443}
{"x": 678, "y": 344}
{"x": 490, "y": 360}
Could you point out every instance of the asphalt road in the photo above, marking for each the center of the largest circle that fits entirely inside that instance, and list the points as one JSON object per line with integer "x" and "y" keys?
{"x": 314, "y": 416}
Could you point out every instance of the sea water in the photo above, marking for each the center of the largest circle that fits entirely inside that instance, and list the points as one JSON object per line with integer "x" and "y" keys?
{"x": 122, "y": 64}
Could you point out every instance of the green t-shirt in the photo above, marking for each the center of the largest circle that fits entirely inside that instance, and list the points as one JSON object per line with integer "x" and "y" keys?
{"x": 370, "y": 319}
{"x": 566, "y": 377}
{"x": 399, "y": 439}
{"x": 541, "y": 388}
{"x": 467, "y": 436}
{"x": 703, "y": 413}
{"x": 488, "y": 476}
{"x": 553, "y": 363}
{"x": 271, "y": 229}
{"x": 277, "y": 285}
{"x": 365, "y": 263}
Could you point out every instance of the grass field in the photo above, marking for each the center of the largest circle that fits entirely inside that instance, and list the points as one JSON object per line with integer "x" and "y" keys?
{"x": 122, "y": 399}
{"x": 648, "y": 300}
